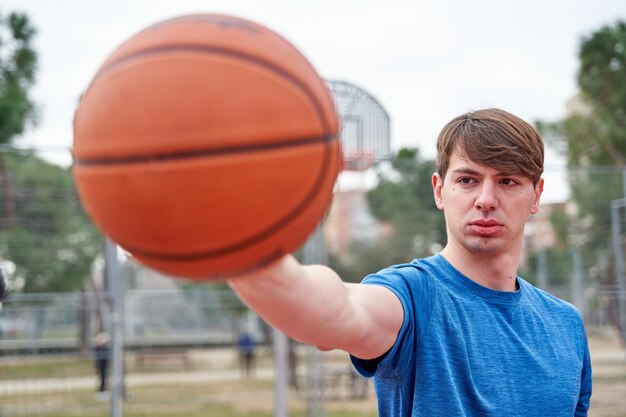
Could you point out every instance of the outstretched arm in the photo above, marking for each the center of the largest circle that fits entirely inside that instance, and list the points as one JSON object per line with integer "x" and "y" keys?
{"x": 312, "y": 304}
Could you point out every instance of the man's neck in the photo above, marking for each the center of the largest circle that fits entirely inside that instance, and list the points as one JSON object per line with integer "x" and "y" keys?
{"x": 494, "y": 271}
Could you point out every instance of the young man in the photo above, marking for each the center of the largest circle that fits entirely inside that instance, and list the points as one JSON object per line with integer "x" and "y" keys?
{"x": 458, "y": 333}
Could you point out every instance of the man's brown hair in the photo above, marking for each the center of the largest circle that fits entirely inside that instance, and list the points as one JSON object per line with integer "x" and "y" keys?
{"x": 494, "y": 138}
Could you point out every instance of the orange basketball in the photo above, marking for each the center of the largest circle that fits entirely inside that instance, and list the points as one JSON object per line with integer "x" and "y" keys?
{"x": 206, "y": 145}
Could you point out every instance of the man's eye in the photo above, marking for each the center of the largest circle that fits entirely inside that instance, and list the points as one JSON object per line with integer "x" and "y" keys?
{"x": 465, "y": 180}
{"x": 508, "y": 181}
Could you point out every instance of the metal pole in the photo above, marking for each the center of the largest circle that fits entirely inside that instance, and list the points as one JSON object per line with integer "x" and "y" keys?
{"x": 542, "y": 273}
{"x": 117, "y": 351}
{"x": 314, "y": 252}
{"x": 624, "y": 189}
{"x": 620, "y": 279}
{"x": 281, "y": 384}
{"x": 315, "y": 390}
{"x": 578, "y": 282}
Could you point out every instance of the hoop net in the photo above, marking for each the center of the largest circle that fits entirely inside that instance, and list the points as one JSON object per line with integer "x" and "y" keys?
{"x": 365, "y": 133}
{"x": 359, "y": 160}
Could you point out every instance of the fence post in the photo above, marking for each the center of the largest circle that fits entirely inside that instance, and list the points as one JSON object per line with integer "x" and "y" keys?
{"x": 281, "y": 384}
{"x": 620, "y": 279}
{"x": 578, "y": 282}
{"x": 542, "y": 273}
{"x": 314, "y": 252}
{"x": 117, "y": 345}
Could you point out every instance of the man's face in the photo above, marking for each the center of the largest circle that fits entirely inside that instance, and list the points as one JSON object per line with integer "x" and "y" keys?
{"x": 485, "y": 210}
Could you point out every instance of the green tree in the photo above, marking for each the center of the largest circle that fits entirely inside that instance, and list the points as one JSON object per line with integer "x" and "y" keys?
{"x": 602, "y": 81}
{"x": 407, "y": 204}
{"x": 18, "y": 64}
{"x": 593, "y": 136}
{"x": 594, "y": 131}
{"x": 403, "y": 201}
{"x": 52, "y": 243}
{"x": 43, "y": 229}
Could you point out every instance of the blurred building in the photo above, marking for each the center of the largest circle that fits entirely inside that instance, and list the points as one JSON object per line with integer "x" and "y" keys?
{"x": 349, "y": 219}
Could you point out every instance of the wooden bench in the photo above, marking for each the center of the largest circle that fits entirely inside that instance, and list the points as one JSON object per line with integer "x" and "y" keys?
{"x": 338, "y": 383}
{"x": 162, "y": 356}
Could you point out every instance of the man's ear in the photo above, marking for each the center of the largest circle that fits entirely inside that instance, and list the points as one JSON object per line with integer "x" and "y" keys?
{"x": 534, "y": 209}
{"x": 437, "y": 183}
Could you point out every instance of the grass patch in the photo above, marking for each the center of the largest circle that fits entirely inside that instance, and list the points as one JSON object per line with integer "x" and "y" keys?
{"x": 215, "y": 410}
{"x": 240, "y": 398}
{"x": 49, "y": 367}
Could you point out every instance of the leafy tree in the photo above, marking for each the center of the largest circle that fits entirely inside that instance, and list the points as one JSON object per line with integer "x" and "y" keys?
{"x": 52, "y": 243}
{"x": 602, "y": 81}
{"x": 43, "y": 230}
{"x": 593, "y": 132}
{"x": 558, "y": 270}
{"x": 18, "y": 63}
{"x": 402, "y": 200}
{"x": 407, "y": 204}
{"x": 593, "y": 136}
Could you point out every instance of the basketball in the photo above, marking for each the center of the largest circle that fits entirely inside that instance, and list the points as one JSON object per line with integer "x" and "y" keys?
{"x": 206, "y": 146}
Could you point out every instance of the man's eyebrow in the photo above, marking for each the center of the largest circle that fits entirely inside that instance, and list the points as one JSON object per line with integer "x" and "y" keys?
{"x": 468, "y": 171}
{"x": 471, "y": 171}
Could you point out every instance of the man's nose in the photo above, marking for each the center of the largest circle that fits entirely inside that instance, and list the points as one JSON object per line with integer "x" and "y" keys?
{"x": 486, "y": 200}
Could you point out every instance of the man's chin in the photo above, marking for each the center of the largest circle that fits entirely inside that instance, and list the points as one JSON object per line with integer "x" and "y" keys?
{"x": 484, "y": 245}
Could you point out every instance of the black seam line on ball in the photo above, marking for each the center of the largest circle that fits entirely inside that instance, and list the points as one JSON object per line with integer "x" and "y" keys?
{"x": 204, "y": 153}
{"x": 221, "y": 51}
{"x": 270, "y": 230}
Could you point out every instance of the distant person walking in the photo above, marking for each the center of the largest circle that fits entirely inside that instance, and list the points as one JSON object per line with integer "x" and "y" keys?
{"x": 102, "y": 352}
{"x": 246, "y": 346}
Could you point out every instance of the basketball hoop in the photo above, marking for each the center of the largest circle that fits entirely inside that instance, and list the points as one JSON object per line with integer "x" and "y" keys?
{"x": 365, "y": 137}
{"x": 358, "y": 161}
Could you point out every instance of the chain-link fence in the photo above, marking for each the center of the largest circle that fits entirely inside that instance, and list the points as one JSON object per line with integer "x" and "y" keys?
{"x": 180, "y": 339}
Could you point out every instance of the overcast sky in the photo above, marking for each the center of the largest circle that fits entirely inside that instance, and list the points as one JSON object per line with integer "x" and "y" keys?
{"x": 424, "y": 61}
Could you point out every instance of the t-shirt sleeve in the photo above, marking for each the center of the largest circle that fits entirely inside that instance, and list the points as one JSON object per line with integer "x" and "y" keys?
{"x": 412, "y": 286}
{"x": 584, "y": 396}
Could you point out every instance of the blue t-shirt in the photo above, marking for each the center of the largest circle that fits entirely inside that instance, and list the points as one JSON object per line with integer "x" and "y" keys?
{"x": 466, "y": 350}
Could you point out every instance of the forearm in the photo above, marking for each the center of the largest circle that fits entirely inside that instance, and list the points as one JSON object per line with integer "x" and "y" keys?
{"x": 309, "y": 303}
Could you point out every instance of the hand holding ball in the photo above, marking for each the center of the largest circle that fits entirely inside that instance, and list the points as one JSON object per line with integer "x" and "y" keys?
{"x": 206, "y": 145}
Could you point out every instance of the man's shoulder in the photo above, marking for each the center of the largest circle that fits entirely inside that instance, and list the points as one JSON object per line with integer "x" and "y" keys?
{"x": 549, "y": 301}
{"x": 417, "y": 265}
{"x": 417, "y": 268}
{"x": 413, "y": 280}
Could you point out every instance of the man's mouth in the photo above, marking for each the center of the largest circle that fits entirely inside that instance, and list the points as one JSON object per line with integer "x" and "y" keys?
{"x": 485, "y": 227}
